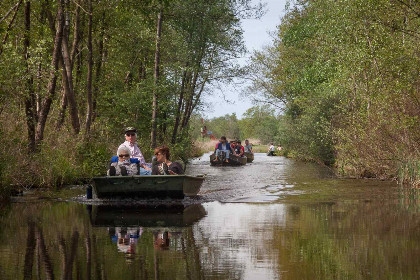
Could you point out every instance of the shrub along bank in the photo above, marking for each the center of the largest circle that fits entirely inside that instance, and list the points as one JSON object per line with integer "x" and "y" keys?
{"x": 346, "y": 74}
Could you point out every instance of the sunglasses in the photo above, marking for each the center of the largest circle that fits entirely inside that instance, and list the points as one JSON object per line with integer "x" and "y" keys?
{"x": 157, "y": 154}
{"x": 130, "y": 134}
{"x": 126, "y": 155}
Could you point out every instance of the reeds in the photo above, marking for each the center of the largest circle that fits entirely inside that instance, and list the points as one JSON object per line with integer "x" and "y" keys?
{"x": 409, "y": 173}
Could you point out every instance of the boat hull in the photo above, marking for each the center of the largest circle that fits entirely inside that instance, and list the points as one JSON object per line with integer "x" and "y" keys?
{"x": 175, "y": 186}
{"x": 233, "y": 161}
{"x": 249, "y": 157}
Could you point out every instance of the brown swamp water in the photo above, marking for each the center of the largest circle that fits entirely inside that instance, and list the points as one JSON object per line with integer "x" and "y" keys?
{"x": 273, "y": 219}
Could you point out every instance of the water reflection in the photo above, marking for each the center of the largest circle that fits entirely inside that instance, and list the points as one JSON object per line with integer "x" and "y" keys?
{"x": 320, "y": 227}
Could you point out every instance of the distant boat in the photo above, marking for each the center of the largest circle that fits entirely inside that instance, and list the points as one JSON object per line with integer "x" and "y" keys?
{"x": 232, "y": 161}
{"x": 175, "y": 186}
{"x": 249, "y": 157}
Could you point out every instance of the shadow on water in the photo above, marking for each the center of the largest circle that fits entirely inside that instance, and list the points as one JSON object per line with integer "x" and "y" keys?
{"x": 272, "y": 219}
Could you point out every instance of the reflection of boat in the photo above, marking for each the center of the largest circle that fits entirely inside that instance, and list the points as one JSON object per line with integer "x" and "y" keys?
{"x": 249, "y": 157}
{"x": 146, "y": 216}
{"x": 233, "y": 160}
{"x": 176, "y": 186}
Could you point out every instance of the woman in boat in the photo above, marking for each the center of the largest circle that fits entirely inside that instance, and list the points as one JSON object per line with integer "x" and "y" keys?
{"x": 164, "y": 166}
{"x": 123, "y": 167}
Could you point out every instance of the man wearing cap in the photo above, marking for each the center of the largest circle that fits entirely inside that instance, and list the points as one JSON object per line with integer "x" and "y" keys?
{"x": 130, "y": 142}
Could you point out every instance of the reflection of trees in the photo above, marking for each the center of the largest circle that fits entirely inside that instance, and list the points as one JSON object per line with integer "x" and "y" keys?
{"x": 35, "y": 240}
{"x": 355, "y": 240}
{"x": 47, "y": 246}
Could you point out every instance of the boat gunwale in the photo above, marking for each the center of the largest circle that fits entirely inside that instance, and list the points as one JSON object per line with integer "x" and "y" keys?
{"x": 197, "y": 177}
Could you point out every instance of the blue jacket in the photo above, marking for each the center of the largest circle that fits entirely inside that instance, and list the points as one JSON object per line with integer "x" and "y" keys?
{"x": 132, "y": 160}
{"x": 219, "y": 146}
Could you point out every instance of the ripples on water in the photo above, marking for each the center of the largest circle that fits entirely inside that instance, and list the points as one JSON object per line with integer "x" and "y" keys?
{"x": 272, "y": 219}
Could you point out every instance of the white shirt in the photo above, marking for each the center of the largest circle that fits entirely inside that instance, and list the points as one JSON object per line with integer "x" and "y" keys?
{"x": 135, "y": 151}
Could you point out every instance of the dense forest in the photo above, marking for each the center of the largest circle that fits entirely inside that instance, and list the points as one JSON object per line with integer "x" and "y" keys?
{"x": 75, "y": 73}
{"x": 338, "y": 85}
{"x": 347, "y": 76}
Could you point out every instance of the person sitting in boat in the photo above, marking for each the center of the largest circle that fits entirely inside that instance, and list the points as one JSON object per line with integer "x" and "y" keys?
{"x": 232, "y": 144}
{"x": 248, "y": 147}
{"x": 123, "y": 167}
{"x": 164, "y": 166}
{"x": 271, "y": 149}
{"x": 239, "y": 149}
{"x": 223, "y": 147}
{"x": 130, "y": 142}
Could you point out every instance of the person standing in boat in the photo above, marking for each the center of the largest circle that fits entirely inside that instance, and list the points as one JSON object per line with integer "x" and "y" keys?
{"x": 248, "y": 147}
{"x": 223, "y": 147}
{"x": 164, "y": 166}
{"x": 130, "y": 143}
{"x": 239, "y": 149}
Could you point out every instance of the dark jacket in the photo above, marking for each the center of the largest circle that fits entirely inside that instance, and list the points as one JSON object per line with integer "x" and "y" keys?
{"x": 175, "y": 167}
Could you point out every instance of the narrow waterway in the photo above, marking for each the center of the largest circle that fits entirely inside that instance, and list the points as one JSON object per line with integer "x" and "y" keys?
{"x": 275, "y": 218}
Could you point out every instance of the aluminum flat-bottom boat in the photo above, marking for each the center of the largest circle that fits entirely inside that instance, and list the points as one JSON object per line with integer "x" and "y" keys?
{"x": 174, "y": 186}
{"x": 233, "y": 160}
{"x": 249, "y": 157}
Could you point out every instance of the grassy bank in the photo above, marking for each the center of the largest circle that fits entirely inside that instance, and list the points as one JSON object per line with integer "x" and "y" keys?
{"x": 64, "y": 159}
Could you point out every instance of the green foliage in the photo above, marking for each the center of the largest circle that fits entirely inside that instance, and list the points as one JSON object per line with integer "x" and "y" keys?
{"x": 198, "y": 44}
{"x": 261, "y": 123}
{"x": 93, "y": 158}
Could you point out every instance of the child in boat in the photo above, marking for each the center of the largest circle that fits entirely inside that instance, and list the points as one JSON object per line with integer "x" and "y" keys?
{"x": 123, "y": 167}
{"x": 164, "y": 166}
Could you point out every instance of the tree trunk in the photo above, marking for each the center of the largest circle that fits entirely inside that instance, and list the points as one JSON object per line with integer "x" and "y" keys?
{"x": 68, "y": 76}
{"x": 178, "y": 112}
{"x": 9, "y": 27}
{"x": 62, "y": 112}
{"x": 6, "y": 35}
{"x": 197, "y": 99}
{"x": 99, "y": 63}
{"x": 30, "y": 95}
{"x": 156, "y": 78}
{"x": 89, "y": 108}
{"x": 46, "y": 104}
{"x": 76, "y": 36}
